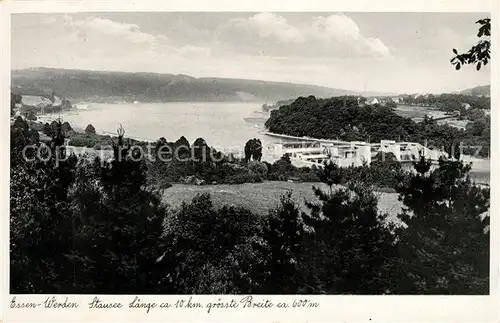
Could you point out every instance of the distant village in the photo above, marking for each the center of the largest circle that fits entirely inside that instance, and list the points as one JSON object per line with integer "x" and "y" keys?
{"x": 29, "y": 106}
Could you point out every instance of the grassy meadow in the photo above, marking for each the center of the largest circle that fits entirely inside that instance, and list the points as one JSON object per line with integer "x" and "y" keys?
{"x": 260, "y": 197}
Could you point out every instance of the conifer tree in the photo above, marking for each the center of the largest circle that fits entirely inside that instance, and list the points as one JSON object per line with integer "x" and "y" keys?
{"x": 444, "y": 245}
{"x": 284, "y": 234}
{"x": 123, "y": 229}
{"x": 352, "y": 242}
{"x": 41, "y": 221}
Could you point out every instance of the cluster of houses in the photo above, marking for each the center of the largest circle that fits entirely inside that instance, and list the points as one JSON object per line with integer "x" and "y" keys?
{"x": 32, "y": 105}
{"x": 383, "y": 101}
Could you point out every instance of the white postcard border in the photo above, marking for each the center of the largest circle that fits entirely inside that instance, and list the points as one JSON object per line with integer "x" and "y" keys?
{"x": 331, "y": 308}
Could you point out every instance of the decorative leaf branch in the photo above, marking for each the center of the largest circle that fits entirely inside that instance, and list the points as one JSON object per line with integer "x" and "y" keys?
{"x": 478, "y": 54}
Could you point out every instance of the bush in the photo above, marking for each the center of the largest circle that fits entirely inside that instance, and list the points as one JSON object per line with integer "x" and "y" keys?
{"x": 37, "y": 126}
{"x": 257, "y": 168}
{"x": 90, "y": 129}
{"x": 66, "y": 127}
{"x": 84, "y": 140}
{"x": 242, "y": 178}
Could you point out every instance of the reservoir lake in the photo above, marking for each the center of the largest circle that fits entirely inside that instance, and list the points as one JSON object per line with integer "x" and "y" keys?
{"x": 222, "y": 125}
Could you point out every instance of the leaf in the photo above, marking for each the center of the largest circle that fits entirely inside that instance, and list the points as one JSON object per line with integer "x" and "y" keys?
{"x": 478, "y": 67}
{"x": 455, "y": 51}
{"x": 457, "y": 67}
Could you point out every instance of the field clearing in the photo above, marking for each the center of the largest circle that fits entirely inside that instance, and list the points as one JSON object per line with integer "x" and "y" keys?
{"x": 260, "y": 197}
{"x": 416, "y": 111}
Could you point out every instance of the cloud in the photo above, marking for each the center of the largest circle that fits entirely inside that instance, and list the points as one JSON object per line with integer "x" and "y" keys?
{"x": 90, "y": 42}
{"x": 342, "y": 34}
{"x": 101, "y": 30}
{"x": 189, "y": 51}
{"x": 270, "y": 34}
{"x": 331, "y": 50}
{"x": 269, "y": 25}
{"x": 260, "y": 29}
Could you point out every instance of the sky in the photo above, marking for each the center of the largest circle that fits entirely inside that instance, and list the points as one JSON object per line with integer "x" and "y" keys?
{"x": 389, "y": 52}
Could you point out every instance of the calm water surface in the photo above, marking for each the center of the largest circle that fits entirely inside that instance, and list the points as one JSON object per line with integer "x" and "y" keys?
{"x": 222, "y": 125}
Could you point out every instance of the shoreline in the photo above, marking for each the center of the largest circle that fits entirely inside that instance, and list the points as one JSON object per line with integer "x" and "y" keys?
{"x": 48, "y": 118}
{"x": 43, "y": 118}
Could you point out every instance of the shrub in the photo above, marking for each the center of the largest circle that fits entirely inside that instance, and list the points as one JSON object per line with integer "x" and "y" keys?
{"x": 81, "y": 140}
{"x": 90, "y": 129}
{"x": 258, "y": 168}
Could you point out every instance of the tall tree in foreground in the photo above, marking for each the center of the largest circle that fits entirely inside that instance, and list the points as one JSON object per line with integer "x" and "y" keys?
{"x": 14, "y": 99}
{"x": 352, "y": 243}
{"x": 40, "y": 217}
{"x": 444, "y": 248}
{"x": 283, "y": 234}
{"x": 214, "y": 250}
{"x": 253, "y": 149}
{"x": 123, "y": 225}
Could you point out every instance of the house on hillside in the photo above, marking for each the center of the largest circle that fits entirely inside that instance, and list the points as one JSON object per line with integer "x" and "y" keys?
{"x": 361, "y": 101}
{"x": 466, "y": 106}
{"x": 395, "y": 100}
{"x": 56, "y": 102}
{"x": 372, "y": 101}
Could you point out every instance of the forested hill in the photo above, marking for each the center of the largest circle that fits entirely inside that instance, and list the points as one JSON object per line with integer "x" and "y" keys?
{"x": 483, "y": 90}
{"x": 342, "y": 118}
{"x": 103, "y": 86}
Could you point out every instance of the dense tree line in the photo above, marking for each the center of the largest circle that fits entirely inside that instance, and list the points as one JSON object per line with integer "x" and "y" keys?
{"x": 14, "y": 99}
{"x": 98, "y": 227}
{"x": 448, "y": 101}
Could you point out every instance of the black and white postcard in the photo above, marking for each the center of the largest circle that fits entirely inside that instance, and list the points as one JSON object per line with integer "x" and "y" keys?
{"x": 271, "y": 162}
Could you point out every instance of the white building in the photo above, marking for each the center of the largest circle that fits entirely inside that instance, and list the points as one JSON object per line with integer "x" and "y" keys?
{"x": 466, "y": 106}
{"x": 355, "y": 153}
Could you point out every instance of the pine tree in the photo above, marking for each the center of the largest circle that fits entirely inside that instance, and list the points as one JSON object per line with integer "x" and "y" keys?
{"x": 40, "y": 219}
{"x": 124, "y": 227}
{"x": 215, "y": 251}
{"x": 352, "y": 242}
{"x": 444, "y": 245}
{"x": 283, "y": 234}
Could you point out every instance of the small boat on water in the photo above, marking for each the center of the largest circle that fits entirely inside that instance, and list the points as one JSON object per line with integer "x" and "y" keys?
{"x": 257, "y": 117}
{"x": 255, "y": 120}
{"x": 82, "y": 107}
